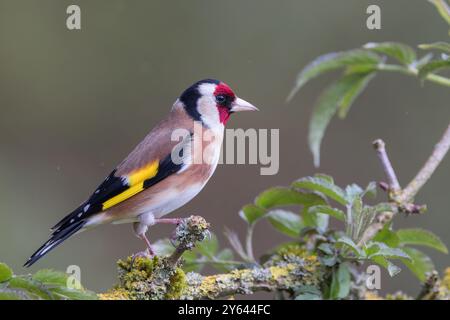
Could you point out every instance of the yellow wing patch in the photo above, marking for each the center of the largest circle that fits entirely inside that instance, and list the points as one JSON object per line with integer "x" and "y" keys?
{"x": 136, "y": 182}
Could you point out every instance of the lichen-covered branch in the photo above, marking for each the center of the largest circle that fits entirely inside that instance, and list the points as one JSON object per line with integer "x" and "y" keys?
{"x": 162, "y": 277}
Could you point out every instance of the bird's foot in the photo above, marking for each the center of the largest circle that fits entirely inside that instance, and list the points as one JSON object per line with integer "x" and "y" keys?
{"x": 148, "y": 254}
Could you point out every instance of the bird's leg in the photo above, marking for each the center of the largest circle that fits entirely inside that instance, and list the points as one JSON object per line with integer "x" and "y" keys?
{"x": 169, "y": 220}
{"x": 140, "y": 230}
{"x": 176, "y": 221}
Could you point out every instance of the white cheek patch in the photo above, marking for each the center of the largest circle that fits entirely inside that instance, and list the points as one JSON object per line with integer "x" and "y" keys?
{"x": 207, "y": 106}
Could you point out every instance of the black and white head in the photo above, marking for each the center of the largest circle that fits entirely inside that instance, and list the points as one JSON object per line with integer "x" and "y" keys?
{"x": 212, "y": 102}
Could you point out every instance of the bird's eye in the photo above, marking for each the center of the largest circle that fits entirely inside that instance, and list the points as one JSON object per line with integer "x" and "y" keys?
{"x": 221, "y": 99}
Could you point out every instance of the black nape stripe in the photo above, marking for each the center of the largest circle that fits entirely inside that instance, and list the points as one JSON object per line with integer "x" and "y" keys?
{"x": 190, "y": 97}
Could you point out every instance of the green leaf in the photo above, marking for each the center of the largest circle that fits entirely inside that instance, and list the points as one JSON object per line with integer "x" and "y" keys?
{"x": 315, "y": 220}
{"x": 252, "y": 213}
{"x": 374, "y": 249}
{"x": 333, "y": 61}
{"x": 51, "y": 277}
{"x": 353, "y": 192}
{"x": 323, "y": 186}
{"x": 307, "y": 292}
{"x": 326, "y": 107}
{"x": 403, "y": 53}
{"x": 32, "y": 287}
{"x": 444, "y": 46}
{"x": 371, "y": 189}
{"x": 420, "y": 264}
{"x": 352, "y": 245}
{"x": 387, "y": 237}
{"x": 5, "y": 272}
{"x": 280, "y": 196}
{"x": 392, "y": 269}
{"x": 325, "y": 177}
{"x": 336, "y": 213}
{"x": 433, "y": 66}
{"x": 353, "y": 92}
{"x": 65, "y": 293}
{"x": 340, "y": 283}
{"x": 8, "y": 294}
{"x": 286, "y": 222}
{"x": 422, "y": 238}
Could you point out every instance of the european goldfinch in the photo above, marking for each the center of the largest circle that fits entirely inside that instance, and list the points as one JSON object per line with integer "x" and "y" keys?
{"x": 162, "y": 173}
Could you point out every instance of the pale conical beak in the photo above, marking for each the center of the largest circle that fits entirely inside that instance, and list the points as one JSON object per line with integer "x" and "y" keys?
{"x": 242, "y": 105}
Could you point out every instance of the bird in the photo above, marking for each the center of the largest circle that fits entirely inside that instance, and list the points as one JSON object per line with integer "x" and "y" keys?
{"x": 167, "y": 169}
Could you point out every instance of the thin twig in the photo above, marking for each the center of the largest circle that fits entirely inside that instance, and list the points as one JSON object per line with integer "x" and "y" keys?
{"x": 380, "y": 147}
{"x": 439, "y": 152}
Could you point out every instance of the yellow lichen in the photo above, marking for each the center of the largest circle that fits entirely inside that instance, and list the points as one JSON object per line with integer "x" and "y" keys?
{"x": 115, "y": 294}
{"x": 278, "y": 272}
{"x": 177, "y": 284}
{"x": 371, "y": 295}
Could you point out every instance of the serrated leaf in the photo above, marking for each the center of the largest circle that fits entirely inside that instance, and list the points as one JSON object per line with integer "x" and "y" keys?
{"x": 325, "y": 177}
{"x": 392, "y": 269}
{"x": 5, "y": 272}
{"x": 336, "y": 213}
{"x": 340, "y": 283}
{"x": 326, "y": 107}
{"x": 353, "y": 93}
{"x": 399, "y": 51}
{"x": 323, "y": 186}
{"x": 421, "y": 237}
{"x": 51, "y": 277}
{"x": 333, "y": 61}
{"x": 420, "y": 264}
{"x": 443, "y": 46}
{"x": 433, "y": 66}
{"x": 252, "y": 213}
{"x": 280, "y": 196}
{"x": 286, "y": 222}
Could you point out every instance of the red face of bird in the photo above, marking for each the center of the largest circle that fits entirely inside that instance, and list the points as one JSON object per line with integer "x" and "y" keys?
{"x": 212, "y": 102}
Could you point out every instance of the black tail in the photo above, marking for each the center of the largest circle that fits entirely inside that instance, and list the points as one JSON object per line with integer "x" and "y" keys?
{"x": 56, "y": 239}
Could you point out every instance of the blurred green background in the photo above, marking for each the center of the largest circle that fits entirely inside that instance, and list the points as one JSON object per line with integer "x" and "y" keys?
{"x": 74, "y": 103}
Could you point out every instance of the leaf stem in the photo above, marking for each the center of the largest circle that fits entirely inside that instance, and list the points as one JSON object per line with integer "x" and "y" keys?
{"x": 414, "y": 72}
{"x": 443, "y": 9}
{"x": 249, "y": 242}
